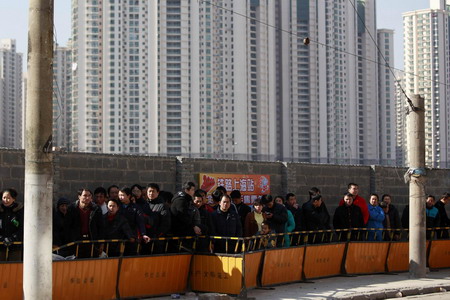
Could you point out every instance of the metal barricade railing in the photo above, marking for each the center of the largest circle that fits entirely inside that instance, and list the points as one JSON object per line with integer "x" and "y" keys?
{"x": 228, "y": 245}
{"x": 12, "y": 251}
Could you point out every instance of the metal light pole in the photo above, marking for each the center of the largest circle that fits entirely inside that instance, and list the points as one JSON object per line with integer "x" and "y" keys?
{"x": 37, "y": 273}
{"x": 415, "y": 124}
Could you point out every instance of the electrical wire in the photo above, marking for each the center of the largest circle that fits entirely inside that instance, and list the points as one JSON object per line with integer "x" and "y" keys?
{"x": 327, "y": 46}
{"x": 413, "y": 108}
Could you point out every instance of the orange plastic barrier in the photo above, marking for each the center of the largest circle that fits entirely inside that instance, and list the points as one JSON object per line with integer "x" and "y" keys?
{"x": 85, "y": 279}
{"x": 214, "y": 273}
{"x": 323, "y": 260}
{"x": 282, "y": 265}
{"x": 154, "y": 275}
{"x": 11, "y": 280}
{"x": 439, "y": 254}
{"x": 364, "y": 258}
{"x": 398, "y": 257}
{"x": 252, "y": 262}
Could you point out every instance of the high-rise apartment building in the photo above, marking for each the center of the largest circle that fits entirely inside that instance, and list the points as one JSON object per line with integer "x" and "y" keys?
{"x": 110, "y": 76}
{"x": 427, "y": 73}
{"x": 174, "y": 77}
{"x": 329, "y": 88}
{"x": 62, "y": 96}
{"x": 10, "y": 95}
{"x": 232, "y": 79}
{"x": 400, "y": 120}
{"x": 387, "y": 98}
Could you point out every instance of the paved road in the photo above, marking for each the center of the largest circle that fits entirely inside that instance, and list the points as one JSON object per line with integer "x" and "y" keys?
{"x": 435, "y": 296}
{"x": 381, "y": 286}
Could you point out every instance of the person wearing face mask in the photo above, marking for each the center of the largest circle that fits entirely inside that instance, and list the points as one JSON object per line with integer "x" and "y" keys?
{"x": 11, "y": 225}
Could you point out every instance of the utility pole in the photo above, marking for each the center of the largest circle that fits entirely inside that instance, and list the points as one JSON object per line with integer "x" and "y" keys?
{"x": 37, "y": 272}
{"x": 415, "y": 124}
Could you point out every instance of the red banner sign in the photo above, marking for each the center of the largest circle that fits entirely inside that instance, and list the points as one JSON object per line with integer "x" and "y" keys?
{"x": 250, "y": 186}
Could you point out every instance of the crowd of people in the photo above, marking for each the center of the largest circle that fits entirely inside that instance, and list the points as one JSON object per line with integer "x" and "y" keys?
{"x": 143, "y": 215}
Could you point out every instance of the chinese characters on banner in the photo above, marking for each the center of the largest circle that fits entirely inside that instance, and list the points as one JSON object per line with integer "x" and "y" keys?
{"x": 250, "y": 186}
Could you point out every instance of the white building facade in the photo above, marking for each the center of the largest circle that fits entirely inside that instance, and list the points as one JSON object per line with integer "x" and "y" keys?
{"x": 387, "y": 110}
{"x": 329, "y": 93}
{"x": 62, "y": 96}
{"x": 174, "y": 77}
{"x": 11, "y": 105}
{"x": 427, "y": 73}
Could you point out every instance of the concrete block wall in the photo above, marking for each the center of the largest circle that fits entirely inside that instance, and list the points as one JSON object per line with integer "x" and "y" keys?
{"x": 12, "y": 170}
{"x": 75, "y": 170}
{"x": 332, "y": 180}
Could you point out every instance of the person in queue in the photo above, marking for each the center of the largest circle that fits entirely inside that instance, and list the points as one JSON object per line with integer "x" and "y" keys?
{"x": 353, "y": 188}
{"x": 276, "y": 215}
{"x": 348, "y": 217}
{"x": 135, "y": 217}
{"x": 392, "y": 220}
{"x": 84, "y": 221}
{"x": 376, "y": 218}
{"x": 290, "y": 224}
{"x": 316, "y": 217}
{"x": 226, "y": 223}
{"x": 254, "y": 219}
{"x": 116, "y": 228}
{"x": 11, "y": 226}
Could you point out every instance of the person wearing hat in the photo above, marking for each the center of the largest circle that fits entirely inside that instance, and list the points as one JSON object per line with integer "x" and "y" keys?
{"x": 59, "y": 213}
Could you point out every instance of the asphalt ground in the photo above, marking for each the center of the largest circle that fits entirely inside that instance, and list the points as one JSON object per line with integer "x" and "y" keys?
{"x": 378, "y": 286}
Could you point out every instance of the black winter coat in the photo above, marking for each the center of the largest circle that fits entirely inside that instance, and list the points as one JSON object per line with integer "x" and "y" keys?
{"x": 117, "y": 228}
{"x": 58, "y": 228}
{"x": 226, "y": 223}
{"x": 72, "y": 223}
{"x": 346, "y": 217}
{"x": 316, "y": 218}
{"x": 279, "y": 218}
{"x": 11, "y": 222}
{"x": 158, "y": 212}
{"x": 135, "y": 217}
{"x": 183, "y": 215}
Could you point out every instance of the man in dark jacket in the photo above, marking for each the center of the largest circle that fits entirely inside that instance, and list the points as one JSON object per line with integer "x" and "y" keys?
{"x": 226, "y": 223}
{"x": 348, "y": 216}
{"x": 84, "y": 221}
{"x": 392, "y": 220}
{"x": 242, "y": 208}
{"x": 59, "y": 213}
{"x": 184, "y": 222}
{"x": 158, "y": 218}
{"x": 443, "y": 218}
{"x": 432, "y": 216}
{"x": 293, "y": 206}
{"x": 316, "y": 217}
{"x": 276, "y": 215}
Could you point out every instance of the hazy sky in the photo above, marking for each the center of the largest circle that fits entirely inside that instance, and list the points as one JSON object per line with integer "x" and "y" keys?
{"x": 14, "y": 21}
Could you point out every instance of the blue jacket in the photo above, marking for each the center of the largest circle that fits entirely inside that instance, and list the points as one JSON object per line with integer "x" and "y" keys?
{"x": 376, "y": 218}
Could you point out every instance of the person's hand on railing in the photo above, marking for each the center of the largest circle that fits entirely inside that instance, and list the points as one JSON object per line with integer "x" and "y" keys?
{"x": 146, "y": 238}
{"x": 197, "y": 230}
{"x": 7, "y": 241}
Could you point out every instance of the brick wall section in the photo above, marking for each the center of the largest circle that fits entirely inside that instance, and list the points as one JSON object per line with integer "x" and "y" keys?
{"x": 332, "y": 180}
{"x": 75, "y": 170}
{"x": 390, "y": 180}
{"x": 12, "y": 170}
